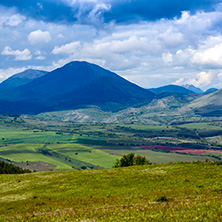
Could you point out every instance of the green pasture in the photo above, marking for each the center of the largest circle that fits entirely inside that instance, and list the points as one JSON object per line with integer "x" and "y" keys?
{"x": 10, "y": 135}
{"x": 28, "y": 152}
{"x": 159, "y": 157}
{"x": 200, "y": 126}
{"x": 86, "y": 154}
{"x": 148, "y": 127}
{"x": 168, "y": 192}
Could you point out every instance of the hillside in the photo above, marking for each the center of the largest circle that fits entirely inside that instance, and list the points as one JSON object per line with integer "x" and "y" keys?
{"x": 208, "y": 105}
{"x": 77, "y": 84}
{"x": 171, "y": 89}
{"x": 169, "y": 192}
{"x": 164, "y": 108}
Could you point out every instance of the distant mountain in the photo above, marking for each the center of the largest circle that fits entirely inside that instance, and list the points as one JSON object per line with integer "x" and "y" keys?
{"x": 77, "y": 84}
{"x": 208, "y": 105}
{"x": 171, "y": 89}
{"x": 211, "y": 90}
{"x": 21, "y": 78}
{"x": 193, "y": 88}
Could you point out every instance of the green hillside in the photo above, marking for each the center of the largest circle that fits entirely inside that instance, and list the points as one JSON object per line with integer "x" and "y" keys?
{"x": 169, "y": 192}
{"x": 208, "y": 105}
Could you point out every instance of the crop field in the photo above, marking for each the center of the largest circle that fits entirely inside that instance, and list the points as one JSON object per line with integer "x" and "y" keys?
{"x": 209, "y": 126}
{"x": 52, "y": 145}
{"x": 169, "y": 192}
{"x": 161, "y": 157}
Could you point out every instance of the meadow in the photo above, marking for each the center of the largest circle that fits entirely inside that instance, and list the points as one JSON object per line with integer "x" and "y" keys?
{"x": 169, "y": 192}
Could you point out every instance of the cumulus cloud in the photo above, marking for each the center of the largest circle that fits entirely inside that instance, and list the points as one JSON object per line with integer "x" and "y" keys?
{"x": 89, "y": 11}
{"x": 204, "y": 80}
{"x": 69, "y": 48}
{"x": 39, "y": 36}
{"x": 10, "y": 18}
{"x": 19, "y": 55}
{"x": 159, "y": 51}
{"x": 167, "y": 57}
{"x": 209, "y": 53}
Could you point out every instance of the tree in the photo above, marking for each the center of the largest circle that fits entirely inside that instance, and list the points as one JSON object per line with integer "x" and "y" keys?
{"x": 130, "y": 160}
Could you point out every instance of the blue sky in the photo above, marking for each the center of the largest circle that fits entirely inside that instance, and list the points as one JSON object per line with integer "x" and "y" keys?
{"x": 151, "y": 43}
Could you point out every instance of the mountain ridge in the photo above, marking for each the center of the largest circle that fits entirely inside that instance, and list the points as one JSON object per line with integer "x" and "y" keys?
{"x": 74, "y": 85}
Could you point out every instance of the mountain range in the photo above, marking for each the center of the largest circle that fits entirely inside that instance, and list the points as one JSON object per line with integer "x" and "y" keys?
{"x": 79, "y": 85}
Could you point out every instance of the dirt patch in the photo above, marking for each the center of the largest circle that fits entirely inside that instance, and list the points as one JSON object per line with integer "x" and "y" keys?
{"x": 37, "y": 166}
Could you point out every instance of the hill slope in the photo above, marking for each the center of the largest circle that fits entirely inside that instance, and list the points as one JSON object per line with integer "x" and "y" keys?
{"x": 77, "y": 84}
{"x": 170, "y": 192}
{"x": 208, "y": 105}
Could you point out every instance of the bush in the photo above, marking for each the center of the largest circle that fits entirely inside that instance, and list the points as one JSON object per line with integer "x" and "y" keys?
{"x": 130, "y": 160}
{"x": 8, "y": 168}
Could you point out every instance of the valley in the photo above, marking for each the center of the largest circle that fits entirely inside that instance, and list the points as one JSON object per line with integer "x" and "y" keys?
{"x": 42, "y": 144}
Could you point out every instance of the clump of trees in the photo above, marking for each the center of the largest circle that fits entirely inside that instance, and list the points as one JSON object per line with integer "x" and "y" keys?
{"x": 131, "y": 160}
{"x": 8, "y": 168}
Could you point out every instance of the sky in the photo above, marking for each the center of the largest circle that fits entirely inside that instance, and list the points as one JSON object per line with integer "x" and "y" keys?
{"x": 150, "y": 43}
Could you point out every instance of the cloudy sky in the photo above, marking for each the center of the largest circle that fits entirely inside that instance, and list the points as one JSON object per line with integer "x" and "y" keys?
{"x": 151, "y": 43}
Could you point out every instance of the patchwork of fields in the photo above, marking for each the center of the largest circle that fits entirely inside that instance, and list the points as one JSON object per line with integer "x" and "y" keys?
{"x": 50, "y": 145}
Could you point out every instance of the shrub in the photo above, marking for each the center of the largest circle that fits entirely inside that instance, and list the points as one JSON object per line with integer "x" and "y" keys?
{"x": 130, "y": 160}
{"x": 8, "y": 168}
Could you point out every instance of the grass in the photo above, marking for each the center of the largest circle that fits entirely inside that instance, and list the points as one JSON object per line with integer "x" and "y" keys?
{"x": 86, "y": 154}
{"x": 28, "y": 152}
{"x": 200, "y": 126}
{"x": 61, "y": 153}
{"x": 161, "y": 157}
{"x": 93, "y": 145}
{"x": 169, "y": 192}
{"x": 148, "y": 127}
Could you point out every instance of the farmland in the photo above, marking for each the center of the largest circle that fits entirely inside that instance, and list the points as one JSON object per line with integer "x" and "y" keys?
{"x": 169, "y": 192}
{"x": 39, "y": 144}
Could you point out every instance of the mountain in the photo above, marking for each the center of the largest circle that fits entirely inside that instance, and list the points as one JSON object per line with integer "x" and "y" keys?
{"x": 77, "y": 84}
{"x": 21, "y": 78}
{"x": 211, "y": 90}
{"x": 208, "y": 105}
{"x": 193, "y": 88}
{"x": 171, "y": 89}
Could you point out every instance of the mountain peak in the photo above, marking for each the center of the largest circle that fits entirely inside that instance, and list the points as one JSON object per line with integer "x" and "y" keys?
{"x": 193, "y": 88}
{"x": 21, "y": 78}
{"x": 78, "y": 84}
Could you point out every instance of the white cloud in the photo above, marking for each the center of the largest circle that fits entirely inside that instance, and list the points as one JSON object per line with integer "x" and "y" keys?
{"x": 10, "y": 18}
{"x": 209, "y": 53}
{"x": 167, "y": 57}
{"x": 40, "y": 58}
{"x": 39, "y": 36}
{"x": 69, "y": 48}
{"x": 19, "y": 55}
{"x": 203, "y": 80}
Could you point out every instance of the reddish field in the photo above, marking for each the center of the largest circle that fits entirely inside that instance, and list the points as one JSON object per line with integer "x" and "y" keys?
{"x": 180, "y": 149}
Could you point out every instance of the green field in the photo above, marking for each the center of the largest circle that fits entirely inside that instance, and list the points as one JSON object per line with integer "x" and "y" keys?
{"x": 161, "y": 157}
{"x": 169, "y": 192}
{"x": 208, "y": 126}
{"x": 50, "y": 145}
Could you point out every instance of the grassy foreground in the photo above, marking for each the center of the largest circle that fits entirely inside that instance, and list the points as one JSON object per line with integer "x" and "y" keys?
{"x": 168, "y": 192}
